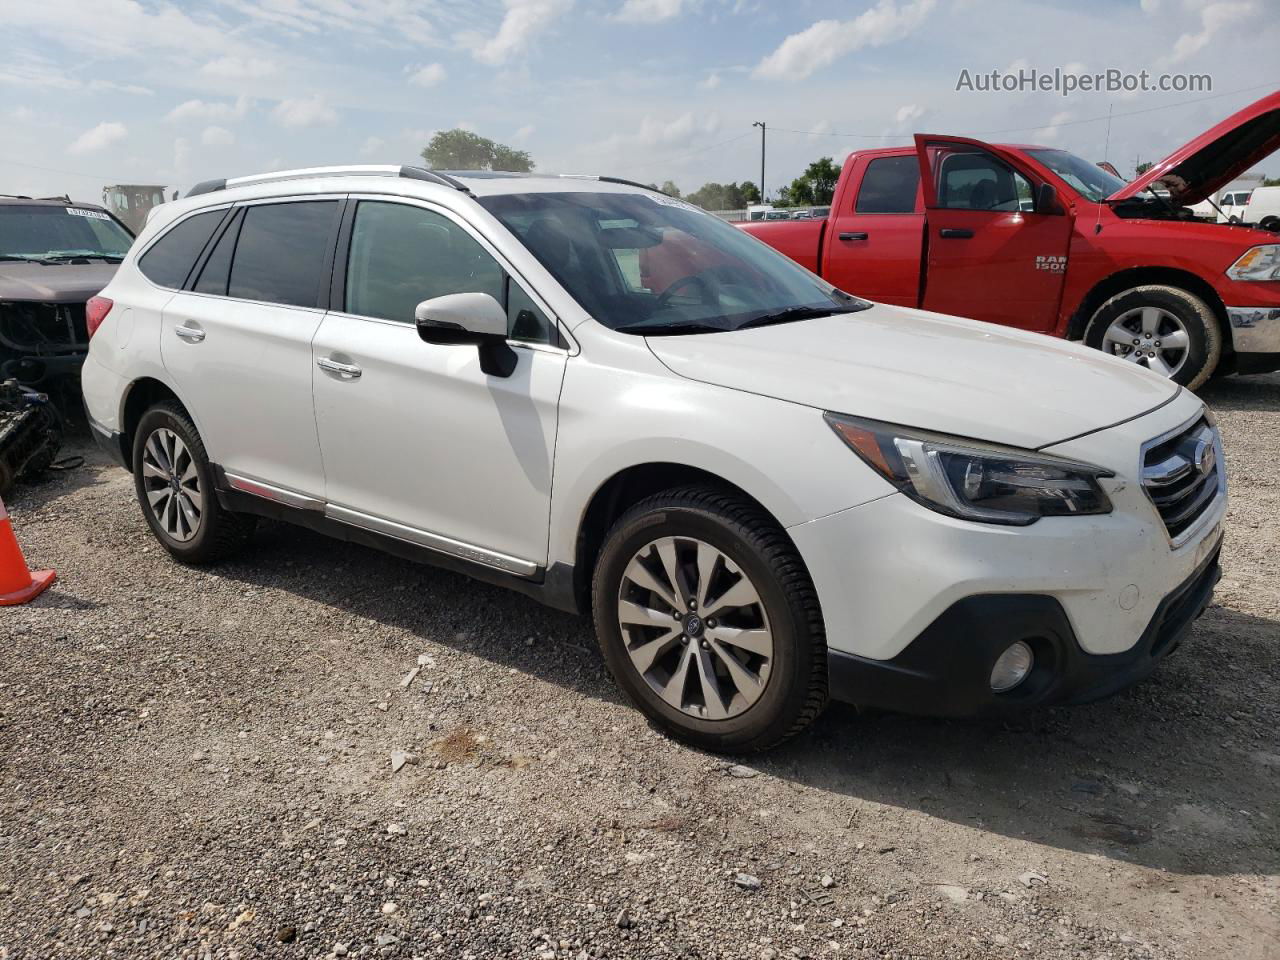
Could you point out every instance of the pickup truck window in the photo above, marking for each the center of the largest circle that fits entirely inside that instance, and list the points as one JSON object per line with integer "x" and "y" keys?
{"x": 889, "y": 185}
{"x": 979, "y": 181}
{"x": 646, "y": 264}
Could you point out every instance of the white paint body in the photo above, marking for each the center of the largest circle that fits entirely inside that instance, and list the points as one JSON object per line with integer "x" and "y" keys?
{"x": 425, "y": 440}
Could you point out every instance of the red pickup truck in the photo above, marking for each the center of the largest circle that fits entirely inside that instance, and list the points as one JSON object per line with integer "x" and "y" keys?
{"x": 1037, "y": 238}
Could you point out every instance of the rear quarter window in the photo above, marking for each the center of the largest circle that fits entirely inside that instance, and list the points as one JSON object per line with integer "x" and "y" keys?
{"x": 889, "y": 186}
{"x": 170, "y": 259}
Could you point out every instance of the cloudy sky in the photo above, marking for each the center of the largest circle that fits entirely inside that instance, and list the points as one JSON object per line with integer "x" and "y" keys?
{"x": 102, "y": 91}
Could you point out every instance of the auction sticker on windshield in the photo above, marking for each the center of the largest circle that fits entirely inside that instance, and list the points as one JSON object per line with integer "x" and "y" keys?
{"x": 95, "y": 214}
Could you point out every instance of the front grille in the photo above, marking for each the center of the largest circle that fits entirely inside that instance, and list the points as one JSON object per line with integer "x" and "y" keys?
{"x": 1182, "y": 473}
{"x": 42, "y": 329}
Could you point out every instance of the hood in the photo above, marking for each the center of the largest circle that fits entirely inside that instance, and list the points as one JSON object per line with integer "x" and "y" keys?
{"x": 928, "y": 371}
{"x": 53, "y": 282}
{"x": 1208, "y": 163}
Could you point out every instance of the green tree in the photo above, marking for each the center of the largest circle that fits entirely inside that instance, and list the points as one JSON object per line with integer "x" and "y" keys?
{"x": 464, "y": 150}
{"x": 750, "y": 192}
{"x": 815, "y": 187}
{"x": 670, "y": 189}
{"x": 1270, "y": 181}
{"x": 1142, "y": 168}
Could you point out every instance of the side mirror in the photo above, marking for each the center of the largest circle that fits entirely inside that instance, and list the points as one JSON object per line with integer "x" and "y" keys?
{"x": 469, "y": 319}
{"x": 1047, "y": 199}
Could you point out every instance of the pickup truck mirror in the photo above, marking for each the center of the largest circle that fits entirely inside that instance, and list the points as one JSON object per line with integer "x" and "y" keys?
{"x": 1047, "y": 200}
{"x": 475, "y": 319}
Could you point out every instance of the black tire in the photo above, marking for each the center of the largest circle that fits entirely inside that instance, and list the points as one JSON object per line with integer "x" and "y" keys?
{"x": 220, "y": 532}
{"x": 1196, "y": 316}
{"x": 1271, "y": 223}
{"x": 795, "y": 692}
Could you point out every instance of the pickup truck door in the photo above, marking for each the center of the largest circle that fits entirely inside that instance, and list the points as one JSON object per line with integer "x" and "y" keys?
{"x": 989, "y": 254}
{"x": 875, "y": 231}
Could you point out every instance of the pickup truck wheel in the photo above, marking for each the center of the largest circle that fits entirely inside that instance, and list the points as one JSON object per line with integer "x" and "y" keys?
{"x": 1271, "y": 223}
{"x": 175, "y": 487}
{"x": 709, "y": 622}
{"x": 1165, "y": 329}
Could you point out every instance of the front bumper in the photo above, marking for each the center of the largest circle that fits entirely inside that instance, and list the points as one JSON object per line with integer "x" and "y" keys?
{"x": 946, "y": 670}
{"x": 1255, "y": 334}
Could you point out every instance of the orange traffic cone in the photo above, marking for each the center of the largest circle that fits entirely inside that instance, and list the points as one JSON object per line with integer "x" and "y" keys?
{"x": 17, "y": 583}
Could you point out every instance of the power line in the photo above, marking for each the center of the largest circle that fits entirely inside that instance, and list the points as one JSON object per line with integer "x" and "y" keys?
{"x": 66, "y": 173}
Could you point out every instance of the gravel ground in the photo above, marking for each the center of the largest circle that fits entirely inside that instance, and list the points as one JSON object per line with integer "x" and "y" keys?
{"x": 202, "y": 763}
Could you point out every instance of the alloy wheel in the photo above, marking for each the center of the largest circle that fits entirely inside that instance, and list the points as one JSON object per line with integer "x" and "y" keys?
{"x": 172, "y": 485}
{"x": 695, "y": 628}
{"x": 1151, "y": 337}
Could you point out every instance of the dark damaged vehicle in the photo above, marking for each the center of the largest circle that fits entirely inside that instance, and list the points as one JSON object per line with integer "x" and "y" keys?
{"x": 54, "y": 256}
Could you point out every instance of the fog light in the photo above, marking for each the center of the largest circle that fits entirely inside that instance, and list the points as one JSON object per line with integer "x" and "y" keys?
{"x": 1012, "y": 667}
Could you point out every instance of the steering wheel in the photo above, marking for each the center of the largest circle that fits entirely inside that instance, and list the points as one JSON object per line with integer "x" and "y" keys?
{"x": 709, "y": 297}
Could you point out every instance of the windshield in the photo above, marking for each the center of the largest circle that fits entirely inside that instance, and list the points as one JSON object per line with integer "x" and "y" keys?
{"x": 1088, "y": 179}
{"x": 644, "y": 263}
{"x": 49, "y": 232}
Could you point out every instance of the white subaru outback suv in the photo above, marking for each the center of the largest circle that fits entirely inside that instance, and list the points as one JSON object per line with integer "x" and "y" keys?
{"x": 766, "y": 491}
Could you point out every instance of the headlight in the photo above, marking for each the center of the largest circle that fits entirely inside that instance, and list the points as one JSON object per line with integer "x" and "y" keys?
{"x": 974, "y": 480}
{"x": 1258, "y": 263}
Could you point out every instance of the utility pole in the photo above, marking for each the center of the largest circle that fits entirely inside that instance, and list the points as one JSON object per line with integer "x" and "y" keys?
{"x": 761, "y": 125}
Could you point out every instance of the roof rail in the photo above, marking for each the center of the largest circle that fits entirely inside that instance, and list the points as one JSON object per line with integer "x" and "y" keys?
{"x": 307, "y": 173}
{"x": 620, "y": 180}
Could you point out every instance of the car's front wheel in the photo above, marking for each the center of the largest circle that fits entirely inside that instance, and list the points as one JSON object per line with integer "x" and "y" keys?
{"x": 175, "y": 487}
{"x": 709, "y": 622}
{"x": 1166, "y": 329}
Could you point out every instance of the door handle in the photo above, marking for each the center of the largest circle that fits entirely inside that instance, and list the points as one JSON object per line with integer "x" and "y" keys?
{"x": 189, "y": 334}
{"x": 348, "y": 371}
{"x": 955, "y": 233}
{"x": 860, "y": 235}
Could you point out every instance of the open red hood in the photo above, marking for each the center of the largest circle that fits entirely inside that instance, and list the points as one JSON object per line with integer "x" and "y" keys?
{"x": 1216, "y": 157}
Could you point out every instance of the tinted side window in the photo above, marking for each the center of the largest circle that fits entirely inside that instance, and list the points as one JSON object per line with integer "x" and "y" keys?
{"x": 279, "y": 256}
{"x": 978, "y": 181}
{"x": 217, "y": 269}
{"x": 889, "y": 186}
{"x": 402, "y": 255}
{"x": 171, "y": 257}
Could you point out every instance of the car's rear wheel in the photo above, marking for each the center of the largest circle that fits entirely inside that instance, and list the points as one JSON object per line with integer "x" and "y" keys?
{"x": 175, "y": 488}
{"x": 709, "y": 621}
{"x": 1166, "y": 329}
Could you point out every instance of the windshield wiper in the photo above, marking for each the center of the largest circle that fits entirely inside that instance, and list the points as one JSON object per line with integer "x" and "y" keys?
{"x": 63, "y": 257}
{"x": 662, "y": 329}
{"x": 796, "y": 313}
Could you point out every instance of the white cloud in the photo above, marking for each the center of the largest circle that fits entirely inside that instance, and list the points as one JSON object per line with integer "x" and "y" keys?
{"x": 826, "y": 41}
{"x": 371, "y": 146}
{"x": 1213, "y": 18}
{"x": 239, "y": 68}
{"x": 1050, "y": 132}
{"x": 649, "y": 11}
{"x": 428, "y": 76}
{"x": 304, "y": 112}
{"x": 208, "y": 110}
{"x": 96, "y": 138}
{"x": 523, "y": 134}
{"x": 111, "y": 85}
{"x": 819, "y": 129}
{"x": 181, "y": 154}
{"x": 907, "y": 114}
{"x": 523, "y": 21}
{"x": 712, "y": 81}
{"x": 22, "y": 114}
{"x": 217, "y": 137}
